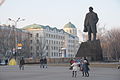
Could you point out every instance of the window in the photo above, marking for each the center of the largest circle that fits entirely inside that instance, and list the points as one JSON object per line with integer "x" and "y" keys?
{"x": 46, "y": 47}
{"x": 37, "y": 41}
{"x": 52, "y": 41}
{"x": 37, "y": 48}
{"x": 46, "y": 35}
{"x": 31, "y": 41}
{"x": 47, "y": 54}
{"x": 37, "y": 35}
{"x": 52, "y": 53}
{"x": 30, "y": 35}
{"x": 47, "y": 41}
{"x": 31, "y": 47}
{"x": 56, "y": 54}
{"x": 52, "y": 47}
{"x": 57, "y": 42}
{"x": 51, "y": 36}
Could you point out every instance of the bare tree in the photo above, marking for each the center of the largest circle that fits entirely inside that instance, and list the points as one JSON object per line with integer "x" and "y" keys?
{"x": 40, "y": 46}
{"x": 111, "y": 44}
{"x": 7, "y": 42}
{"x": 5, "y": 39}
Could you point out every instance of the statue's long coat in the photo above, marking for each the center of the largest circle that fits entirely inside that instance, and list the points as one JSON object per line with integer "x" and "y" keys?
{"x": 90, "y": 22}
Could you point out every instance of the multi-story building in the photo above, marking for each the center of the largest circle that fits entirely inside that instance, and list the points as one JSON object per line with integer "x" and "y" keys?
{"x": 53, "y": 42}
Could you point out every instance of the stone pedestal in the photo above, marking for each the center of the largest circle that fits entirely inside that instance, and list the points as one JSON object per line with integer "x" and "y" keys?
{"x": 90, "y": 49}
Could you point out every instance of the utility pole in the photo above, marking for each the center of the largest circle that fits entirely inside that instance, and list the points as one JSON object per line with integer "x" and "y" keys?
{"x": 15, "y": 34}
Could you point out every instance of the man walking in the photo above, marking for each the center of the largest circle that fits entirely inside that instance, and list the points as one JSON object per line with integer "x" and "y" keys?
{"x": 41, "y": 63}
{"x": 45, "y": 62}
{"x": 21, "y": 65}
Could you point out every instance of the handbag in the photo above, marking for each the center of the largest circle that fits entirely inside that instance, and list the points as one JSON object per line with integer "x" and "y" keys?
{"x": 71, "y": 67}
{"x": 81, "y": 69}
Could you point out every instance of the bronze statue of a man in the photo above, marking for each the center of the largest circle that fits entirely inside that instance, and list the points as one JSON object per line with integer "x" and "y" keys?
{"x": 90, "y": 22}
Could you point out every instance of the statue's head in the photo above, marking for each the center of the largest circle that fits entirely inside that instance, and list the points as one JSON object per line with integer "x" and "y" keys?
{"x": 90, "y": 9}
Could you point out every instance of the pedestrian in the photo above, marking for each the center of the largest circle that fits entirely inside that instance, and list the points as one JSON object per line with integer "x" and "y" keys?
{"x": 45, "y": 62}
{"x": 81, "y": 67}
{"x": 85, "y": 69}
{"x": 41, "y": 63}
{"x": 86, "y": 60}
{"x": 71, "y": 61}
{"x": 6, "y": 61}
{"x": 21, "y": 65}
{"x": 0, "y": 61}
{"x": 74, "y": 69}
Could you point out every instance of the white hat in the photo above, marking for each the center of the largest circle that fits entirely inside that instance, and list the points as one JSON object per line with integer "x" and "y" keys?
{"x": 85, "y": 61}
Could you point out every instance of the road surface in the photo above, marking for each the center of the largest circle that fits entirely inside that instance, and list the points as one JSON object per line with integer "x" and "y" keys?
{"x": 34, "y": 72}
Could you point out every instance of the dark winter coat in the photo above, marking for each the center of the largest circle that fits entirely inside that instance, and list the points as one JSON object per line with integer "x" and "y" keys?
{"x": 22, "y": 62}
{"x": 41, "y": 61}
{"x": 45, "y": 61}
{"x": 85, "y": 67}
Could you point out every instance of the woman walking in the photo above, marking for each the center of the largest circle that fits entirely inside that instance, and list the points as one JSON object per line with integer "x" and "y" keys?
{"x": 85, "y": 68}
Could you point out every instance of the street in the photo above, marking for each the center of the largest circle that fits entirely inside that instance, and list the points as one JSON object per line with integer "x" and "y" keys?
{"x": 33, "y": 72}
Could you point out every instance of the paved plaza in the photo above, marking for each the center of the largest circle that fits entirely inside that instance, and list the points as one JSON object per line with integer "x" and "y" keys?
{"x": 33, "y": 72}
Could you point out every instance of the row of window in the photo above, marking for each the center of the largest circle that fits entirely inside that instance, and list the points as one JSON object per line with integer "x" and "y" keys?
{"x": 70, "y": 55}
{"x": 56, "y": 54}
{"x": 48, "y": 42}
{"x": 71, "y": 31}
{"x": 52, "y": 48}
{"x": 70, "y": 51}
{"x": 71, "y": 46}
{"x": 50, "y": 36}
{"x": 54, "y": 42}
{"x": 54, "y": 36}
{"x": 55, "y": 30}
{"x": 71, "y": 41}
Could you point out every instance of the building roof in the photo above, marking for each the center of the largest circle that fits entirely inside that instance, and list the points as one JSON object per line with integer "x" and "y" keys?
{"x": 37, "y": 26}
{"x": 69, "y": 25}
{"x": 33, "y": 26}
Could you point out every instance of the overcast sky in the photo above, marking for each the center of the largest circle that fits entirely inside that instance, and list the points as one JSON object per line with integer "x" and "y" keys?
{"x": 57, "y": 13}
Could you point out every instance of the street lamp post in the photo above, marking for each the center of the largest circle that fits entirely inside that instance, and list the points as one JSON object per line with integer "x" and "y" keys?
{"x": 14, "y": 31}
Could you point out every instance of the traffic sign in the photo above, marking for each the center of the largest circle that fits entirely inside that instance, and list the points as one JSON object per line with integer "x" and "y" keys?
{"x": 19, "y": 45}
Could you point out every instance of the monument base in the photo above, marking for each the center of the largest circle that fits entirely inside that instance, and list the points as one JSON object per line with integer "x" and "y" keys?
{"x": 90, "y": 49}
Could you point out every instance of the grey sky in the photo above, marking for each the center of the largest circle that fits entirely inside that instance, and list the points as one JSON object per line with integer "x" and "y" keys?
{"x": 57, "y": 13}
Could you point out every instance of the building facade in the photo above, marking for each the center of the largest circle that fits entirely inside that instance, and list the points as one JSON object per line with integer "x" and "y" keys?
{"x": 53, "y": 42}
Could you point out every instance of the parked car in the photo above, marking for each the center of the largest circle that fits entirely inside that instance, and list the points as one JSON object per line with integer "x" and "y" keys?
{"x": 2, "y": 62}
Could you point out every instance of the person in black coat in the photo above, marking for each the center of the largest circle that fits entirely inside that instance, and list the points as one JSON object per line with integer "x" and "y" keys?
{"x": 21, "y": 65}
{"x": 85, "y": 68}
{"x": 45, "y": 62}
{"x": 41, "y": 63}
